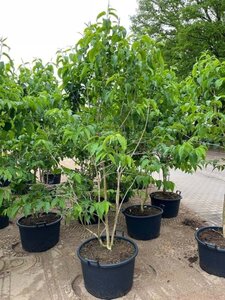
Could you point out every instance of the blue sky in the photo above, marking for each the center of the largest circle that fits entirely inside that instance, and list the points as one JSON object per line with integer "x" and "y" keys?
{"x": 39, "y": 28}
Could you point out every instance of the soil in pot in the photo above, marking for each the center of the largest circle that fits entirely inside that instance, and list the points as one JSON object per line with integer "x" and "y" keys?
{"x": 212, "y": 236}
{"x": 108, "y": 274}
{"x": 41, "y": 218}
{"x": 136, "y": 211}
{"x": 121, "y": 251}
{"x": 39, "y": 233}
{"x": 211, "y": 249}
{"x": 143, "y": 225}
{"x": 169, "y": 201}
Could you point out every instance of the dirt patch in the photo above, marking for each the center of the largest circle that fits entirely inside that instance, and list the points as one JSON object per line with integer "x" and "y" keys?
{"x": 193, "y": 223}
{"x": 41, "y": 218}
{"x": 212, "y": 236}
{"x": 136, "y": 211}
{"x": 193, "y": 259}
{"x": 121, "y": 251}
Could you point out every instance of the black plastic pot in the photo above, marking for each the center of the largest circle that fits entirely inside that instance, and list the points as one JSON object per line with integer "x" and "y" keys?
{"x": 108, "y": 281}
{"x": 52, "y": 178}
{"x": 170, "y": 206}
{"x": 4, "y": 183}
{"x": 211, "y": 258}
{"x": 143, "y": 227}
{"x": 4, "y": 221}
{"x": 39, "y": 237}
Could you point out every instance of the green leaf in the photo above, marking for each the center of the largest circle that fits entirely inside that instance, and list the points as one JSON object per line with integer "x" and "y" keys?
{"x": 101, "y": 14}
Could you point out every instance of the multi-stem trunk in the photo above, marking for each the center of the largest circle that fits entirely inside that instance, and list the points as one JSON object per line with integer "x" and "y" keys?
{"x": 108, "y": 244}
{"x": 145, "y": 199}
{"x": 165, "y": 174}
{"x": 119, "y": 174}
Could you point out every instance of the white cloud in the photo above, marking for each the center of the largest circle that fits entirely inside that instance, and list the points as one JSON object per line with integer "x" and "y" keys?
{"x": 39, "y": 28}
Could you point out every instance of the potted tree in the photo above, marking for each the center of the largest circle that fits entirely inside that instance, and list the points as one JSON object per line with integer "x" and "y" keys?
{"x": 111, "y": 77}
{"x": 39, "y": 227}
{"x": 120, "y": 89}
{"x": 106, "y": 267}
{"x": 205, "y": 86}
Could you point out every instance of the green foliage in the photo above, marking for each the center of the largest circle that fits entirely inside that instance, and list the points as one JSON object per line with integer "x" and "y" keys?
{"x": 120, "y": 114}
{"x": 186, "y": 28}
{"x": 5, "y": 198}
{"x": 38, "y": 200}
{"x": 204, "y": 101}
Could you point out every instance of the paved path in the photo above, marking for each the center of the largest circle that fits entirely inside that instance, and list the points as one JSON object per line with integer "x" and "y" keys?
{"x": 203, "y": 192}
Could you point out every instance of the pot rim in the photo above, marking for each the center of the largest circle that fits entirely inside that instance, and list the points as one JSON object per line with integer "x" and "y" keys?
{"x": 179, "y": 197}
{"x": 143, "y": 217}
{"x": 109, "y": 266}
{"x": 37, "y": 225}
{"x": 205, "y": 244}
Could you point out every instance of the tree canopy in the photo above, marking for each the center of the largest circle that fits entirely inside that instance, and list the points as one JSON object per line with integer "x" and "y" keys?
{"x": 186, "y": 28}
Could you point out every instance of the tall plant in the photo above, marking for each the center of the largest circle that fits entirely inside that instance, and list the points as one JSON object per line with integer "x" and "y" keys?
{"x": 116, "y": 78}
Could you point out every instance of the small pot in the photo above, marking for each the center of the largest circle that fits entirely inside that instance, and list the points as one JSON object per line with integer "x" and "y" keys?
{"x": 211, "y": 257}
{"x": 4, "y": 221}
{"x": 143, "y": 227}
{"x": 39, "y": 237}
{"x": 170, "y": 206}
{"x": 52, "y": 178}
{"x": 108, "y": 281}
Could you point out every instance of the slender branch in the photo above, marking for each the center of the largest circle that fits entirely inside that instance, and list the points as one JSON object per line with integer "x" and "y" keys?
{"x": 143, "y": 132}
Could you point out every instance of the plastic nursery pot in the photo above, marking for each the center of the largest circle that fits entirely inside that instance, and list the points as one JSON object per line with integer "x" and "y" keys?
{"x": 143, "y": 227}
{"x": 39, "y": 237}
{"x": 211, "y": 257}
{"x": 4, "y": 183}
{"x": 108, "y": 281}
{"x": 170, "y": 202}
{"x": 4, "y": 221}
{"x": 52, "y": 178}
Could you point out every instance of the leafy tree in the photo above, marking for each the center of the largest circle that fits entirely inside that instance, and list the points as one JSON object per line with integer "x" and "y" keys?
{"x": 203, "y": 95}
{"x": 130, "y": 117}
{"x": 186, "y": 27}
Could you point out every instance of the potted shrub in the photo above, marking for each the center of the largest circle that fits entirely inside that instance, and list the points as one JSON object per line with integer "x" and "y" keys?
{"x": 113, "y": 257}
{"x": 183, "y": 156}
{"x": 112, "y": 81}
{"x": 39, "y": 227}
{"x": 112, "y": 265}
